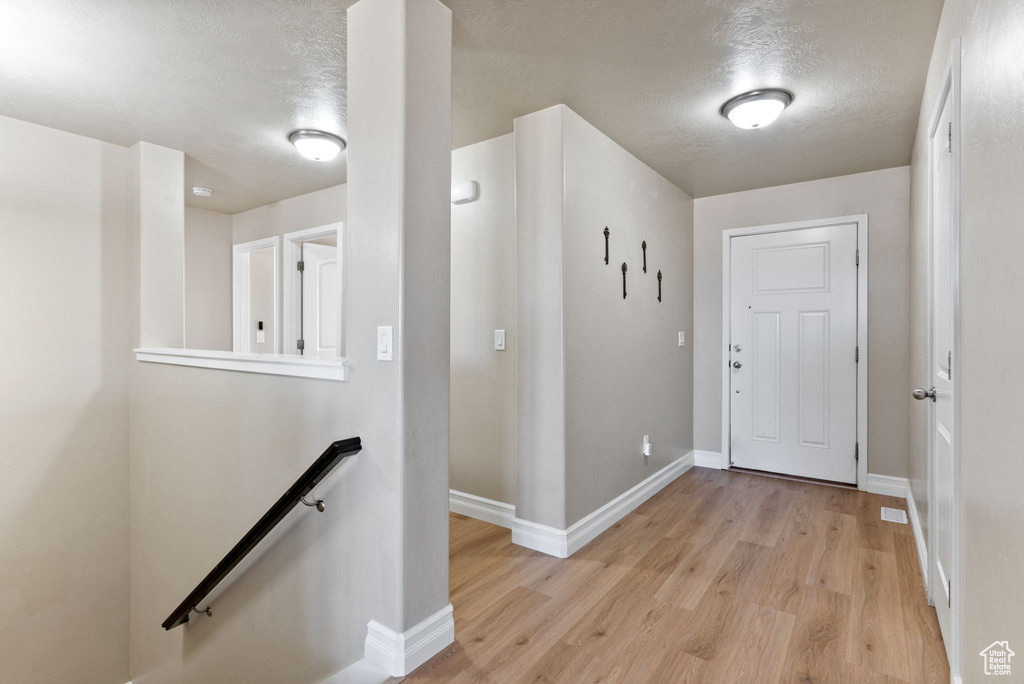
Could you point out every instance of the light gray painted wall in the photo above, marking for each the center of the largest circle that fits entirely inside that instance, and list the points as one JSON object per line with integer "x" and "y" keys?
{"x": 483, "y": 389}
{"x": 311, "y": 210}
{"x": 884, "y": 197}
{"x": 64, "y": 336}
{"x": 596, "y": 372}
{"x": 207, "y": 279}
{"x": 992, "y": 286}
{"x": 625, "y": 374}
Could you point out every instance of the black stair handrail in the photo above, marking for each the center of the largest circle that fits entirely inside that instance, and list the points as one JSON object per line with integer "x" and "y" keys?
{"x": 291, "y": 498}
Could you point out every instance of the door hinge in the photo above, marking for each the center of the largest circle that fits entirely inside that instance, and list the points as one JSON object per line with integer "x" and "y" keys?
{"x": 856, "y": 355}
{"x": 301, "y": 344}
{"x": 301, "y": 265}
{"x": 856, "y": 452}
{"x": 949, "y": 364}
{"x": 858, "y": 257}
{"x": 951, "y": 137}
{"x": 949, "y": 592}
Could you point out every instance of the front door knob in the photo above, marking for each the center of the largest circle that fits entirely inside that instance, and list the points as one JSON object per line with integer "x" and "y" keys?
{"x": 737, "y": 364}
{"x": 921, "y": 394}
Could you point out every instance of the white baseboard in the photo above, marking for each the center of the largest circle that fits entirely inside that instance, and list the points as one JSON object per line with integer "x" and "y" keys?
{"x": 915, "y": 524}
{"x": 488, "y": 510}
{"x": 399, "y": 654}
{"x": 707, "y": 459}
{"x": 887, "y": 485}
{"x": 564, "y": 543}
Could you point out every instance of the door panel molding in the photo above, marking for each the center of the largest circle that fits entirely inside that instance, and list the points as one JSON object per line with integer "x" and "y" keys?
{"x": 861, "y": 221}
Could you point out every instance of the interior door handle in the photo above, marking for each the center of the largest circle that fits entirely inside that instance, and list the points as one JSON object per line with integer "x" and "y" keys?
{"x": 921, "y": 394}
{"x": 737, "y": 364}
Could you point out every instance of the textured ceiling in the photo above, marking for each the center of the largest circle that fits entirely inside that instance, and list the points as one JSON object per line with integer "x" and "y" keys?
{"x": 227, "y": 80}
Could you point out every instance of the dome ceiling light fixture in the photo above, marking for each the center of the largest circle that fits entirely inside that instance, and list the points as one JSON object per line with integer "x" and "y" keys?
{"x": 316, "y": 145}
{"x": 200, "y": 191}
{"x": 757, "y": 108}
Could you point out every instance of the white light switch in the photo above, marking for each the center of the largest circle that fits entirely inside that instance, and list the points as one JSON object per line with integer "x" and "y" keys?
{"x": 261, "y": 336}
{"x": 499, "y": 340}
{"x": 682, "y": 339}
{"x": 647, "y": 445}
{"x": 384, "y": 343}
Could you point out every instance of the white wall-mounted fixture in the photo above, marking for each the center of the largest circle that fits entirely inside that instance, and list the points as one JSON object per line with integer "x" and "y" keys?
{"x": 499, "y": 340}
{"x": 316, "y": 145}
{"x": 757, "y": 108}
{"x": 384, "y": 343}
{"x": 468, "y": 191}
{"x": 200, "y": 191}
{"x": 682, "y": 339}
{"x": 648, "y": 449}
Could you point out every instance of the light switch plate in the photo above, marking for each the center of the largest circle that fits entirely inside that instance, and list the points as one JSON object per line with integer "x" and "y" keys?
{"x": 499, "y": 340}
{"x": 682, "y": 339}
{"x": 261, "y": 336}
{"x": 384, "y": 343}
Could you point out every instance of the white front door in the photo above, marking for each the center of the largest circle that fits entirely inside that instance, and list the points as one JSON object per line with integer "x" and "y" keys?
{"x": 940, "y": 374}
{"x": 793, "y": 352}
{"x": 321, "y": 305}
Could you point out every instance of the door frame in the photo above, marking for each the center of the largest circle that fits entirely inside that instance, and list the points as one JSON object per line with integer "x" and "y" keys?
{"x": 293, "y": 281}
{"x": 861, "y": 220}
{"x": 240, "y": 292}
{"x": 949, "y": 87}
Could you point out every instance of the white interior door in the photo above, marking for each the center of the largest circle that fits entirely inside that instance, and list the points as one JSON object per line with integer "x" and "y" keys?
{"x": 321, "y": 305}
{"x": 940, "y": 391}
{"x": 793, "y": 352}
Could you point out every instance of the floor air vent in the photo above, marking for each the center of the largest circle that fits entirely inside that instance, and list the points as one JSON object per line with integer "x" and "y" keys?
{"x": 894, "y": 515}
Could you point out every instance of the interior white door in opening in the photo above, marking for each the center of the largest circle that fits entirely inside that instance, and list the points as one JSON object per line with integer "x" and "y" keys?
{"x": 321, "y": 303}
{"x": 939, "y": 392}
{"x": 793, "y": 352}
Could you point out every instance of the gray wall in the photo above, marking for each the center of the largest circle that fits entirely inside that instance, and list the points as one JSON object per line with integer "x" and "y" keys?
{"x": 992, "y": 286}
{"x": 64, "y": 337}
{"x": 884, "y": 197}
{"x": 596, "y": 372}
{"x": 207, "y": 279}
{"x": 311, "y": 210}
{"x": 483, "y": 299}
{"x": 625, "y": 374}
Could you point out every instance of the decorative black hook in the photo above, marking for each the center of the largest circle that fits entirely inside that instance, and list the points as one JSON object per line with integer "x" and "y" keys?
{"x": 644, "y": 246}
{"x": 659, "y": 285}
{"x": 623, "y": 279}
{"x": 606, "y": 234}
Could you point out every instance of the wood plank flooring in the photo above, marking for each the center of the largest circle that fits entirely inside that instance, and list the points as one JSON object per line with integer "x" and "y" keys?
{"x": 721, "y": 577}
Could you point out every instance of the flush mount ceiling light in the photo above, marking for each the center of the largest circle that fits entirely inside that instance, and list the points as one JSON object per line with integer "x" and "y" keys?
{"x": 200, "y": 191}
{"x": 758, "y": 108}
{"x": 317, "y": 145}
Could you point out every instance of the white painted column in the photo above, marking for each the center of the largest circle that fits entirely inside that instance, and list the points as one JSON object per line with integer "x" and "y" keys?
{"x": 540, "y": 227}
{"x": 397, "y": 272}
{"x": 157, "y": 195}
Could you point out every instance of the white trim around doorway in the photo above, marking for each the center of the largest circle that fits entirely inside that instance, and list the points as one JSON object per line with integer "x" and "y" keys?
{"x": 861, "y": 220}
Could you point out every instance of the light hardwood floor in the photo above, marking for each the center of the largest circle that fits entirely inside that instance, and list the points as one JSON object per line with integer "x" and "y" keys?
{"x": 720, "y": 577}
